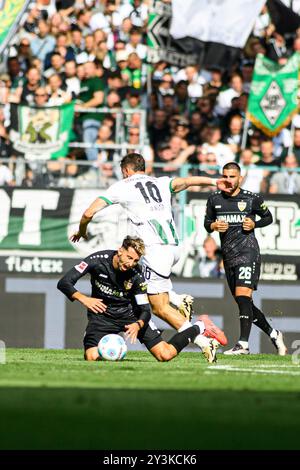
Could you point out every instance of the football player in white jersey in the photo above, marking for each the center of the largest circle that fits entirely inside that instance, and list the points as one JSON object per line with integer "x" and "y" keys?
{"x": 147, "y": 200}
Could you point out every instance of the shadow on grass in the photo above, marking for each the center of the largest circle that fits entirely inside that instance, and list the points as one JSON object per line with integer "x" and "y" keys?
{"x": 107, "y": 419}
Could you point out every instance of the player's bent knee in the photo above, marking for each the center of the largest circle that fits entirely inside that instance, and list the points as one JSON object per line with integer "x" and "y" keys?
{"x": 91, "y": 354}
{"x": 164, "y": 352}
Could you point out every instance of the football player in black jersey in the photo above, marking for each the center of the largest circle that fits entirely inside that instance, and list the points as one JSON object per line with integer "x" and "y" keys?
{"x": 233, "y": 215}
{"x": 119, "y": 302}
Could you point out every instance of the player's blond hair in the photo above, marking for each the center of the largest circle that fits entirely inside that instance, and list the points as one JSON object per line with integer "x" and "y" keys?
{"x": 136, "y": 243}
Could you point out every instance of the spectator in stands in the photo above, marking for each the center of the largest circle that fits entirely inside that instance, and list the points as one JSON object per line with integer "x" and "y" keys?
{"x": 57, "y": 96}
{"x": 210, "y": 263}
{"x": 254, "y": 143}
{"x": 77, "y": 40}
{"x": 215, "y": 81}
{"x": 91, "y": 96}
{"x": 112, "y": 99}
{"x": 132, "y": 101}
{"x": 133, "y": 72}
{"x": 83, "y": 21}
{"x": 295, "y": 147}
{"x": 276, "y": 46}
{"x": 5, "y": 144}
{"x": 267, "y": 154}
{"x": 25, "y": 93}
{"x": 71, "y": 80}
{"x": 41, "y": 97}
{"x": 182, "y": 129}
{"x": 159, "y": 130}
{"x": 166, "y": 87}
{"x": 213, "y": 144}
{"x": 24, "y": 54}
{"x": 195, "y": 127}
{"x": 287, "y": 181}
{"x": 182, "y": 99}
{"x": 165, "y": 156}
{"x": 137, "y": 12}
{"x": 15, "y": 72}
{"x": 43, "y": 43}
{"x": 224, "y": 99}
{"x": 233, "y": 137}
{"x": 205, "y": 106}
{"x": 6, "y": 176}
{"x": 135, "y": 44}
{"x": 57, "y": 65}
{"x": 195, "y": 81}
{"x": 247, "y": 68}
{"x": 124, "y": 31}
{"x": 170, "y": 106}
{"x": 5, "y": 85}
{"x": 146, "y": 150}
{"x": 252, "y": 175}
{"x": 208, "y": 168}
{"x": 31, "y": 23}
{"x": 105, "y": 137}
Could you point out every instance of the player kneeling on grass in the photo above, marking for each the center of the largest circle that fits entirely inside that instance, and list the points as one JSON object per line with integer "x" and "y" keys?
{"x": 119, "y": 302}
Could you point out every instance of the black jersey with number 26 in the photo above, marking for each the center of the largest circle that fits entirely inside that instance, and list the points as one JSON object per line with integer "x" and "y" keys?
{"x": 238, "y": 246}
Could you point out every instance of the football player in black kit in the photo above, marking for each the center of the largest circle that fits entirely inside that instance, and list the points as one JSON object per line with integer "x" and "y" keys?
{"x": 119, "y": 302}
{"x": 233, "y": 215}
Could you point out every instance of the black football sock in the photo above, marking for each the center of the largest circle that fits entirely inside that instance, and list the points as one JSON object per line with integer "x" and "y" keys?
{"x": 246, "y": 316}
{"x": 260, "y": 320}
{"x": 182, "y": 339}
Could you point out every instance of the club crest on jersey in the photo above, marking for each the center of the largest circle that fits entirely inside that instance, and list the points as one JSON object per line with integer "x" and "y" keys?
{"x": 242, "y": 205}
{"x": 128, "y": 284}
{"x": 81, "y": 267}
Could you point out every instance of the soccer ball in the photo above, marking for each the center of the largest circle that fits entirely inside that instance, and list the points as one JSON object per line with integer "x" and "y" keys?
{"x": 112, "y": 347}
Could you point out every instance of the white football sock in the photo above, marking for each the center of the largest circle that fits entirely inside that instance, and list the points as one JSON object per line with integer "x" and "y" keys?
{"x": 175, "y": 299}
{"x": 244, "y": 344}
{"x": 274, "y": 334}
{"x": 201, "y": 326}
{"x": 187, "y": 324}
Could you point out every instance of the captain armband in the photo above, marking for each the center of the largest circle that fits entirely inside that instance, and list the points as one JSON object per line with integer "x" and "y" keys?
{"x": 141, "y": 299}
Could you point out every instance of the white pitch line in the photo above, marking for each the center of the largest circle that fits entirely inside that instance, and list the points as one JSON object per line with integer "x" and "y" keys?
{"x": 250, "y": 370}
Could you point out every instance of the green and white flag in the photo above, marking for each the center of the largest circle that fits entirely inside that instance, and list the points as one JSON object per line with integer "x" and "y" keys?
{"x": 41, "y": 133}
{"x": 273, "y": 95}
{"x": 161, "y": 46}
{"x": 11, "y": 12}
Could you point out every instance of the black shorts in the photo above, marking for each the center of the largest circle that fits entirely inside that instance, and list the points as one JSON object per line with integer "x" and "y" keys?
{"x": 101, "y": 325}
{"x": 244, "y": 275}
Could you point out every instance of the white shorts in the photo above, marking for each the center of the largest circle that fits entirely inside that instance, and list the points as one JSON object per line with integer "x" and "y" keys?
{"x": 157, "y": 266}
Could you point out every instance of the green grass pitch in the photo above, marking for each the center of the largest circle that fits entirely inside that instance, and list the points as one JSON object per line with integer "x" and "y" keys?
{"x": 55, "y": 400}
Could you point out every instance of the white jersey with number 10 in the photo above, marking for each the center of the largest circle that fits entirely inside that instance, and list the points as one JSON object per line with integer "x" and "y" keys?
{"x": 147, "y": 201}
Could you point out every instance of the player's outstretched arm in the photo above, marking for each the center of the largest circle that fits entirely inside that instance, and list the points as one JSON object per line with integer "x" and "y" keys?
{"x": 87, "y": 216}
{"x": 180, "y": 184}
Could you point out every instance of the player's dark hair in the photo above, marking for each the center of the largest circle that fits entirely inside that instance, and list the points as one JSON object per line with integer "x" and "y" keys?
{"x": 136, "y": 243}
{"x": 232, "y": 166}
{"x": 135, "y": 161}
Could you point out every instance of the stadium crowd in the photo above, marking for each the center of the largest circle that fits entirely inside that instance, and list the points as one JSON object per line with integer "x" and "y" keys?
{"x": 94, "y": 52}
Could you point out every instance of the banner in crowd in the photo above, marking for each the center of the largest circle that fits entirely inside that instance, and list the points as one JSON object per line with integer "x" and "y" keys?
{"x": 11, "y": 12}
{"x": 41, "y": 132}
{"x": 283, "y": 16}
{"x": 161, "y": 46}
{"x": 36, "y": 226}
{"x": 214, "y": 31}
{"x": 273, "y": 94}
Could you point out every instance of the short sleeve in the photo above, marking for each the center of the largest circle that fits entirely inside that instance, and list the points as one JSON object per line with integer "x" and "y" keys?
{"x": 113, "y": 194}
